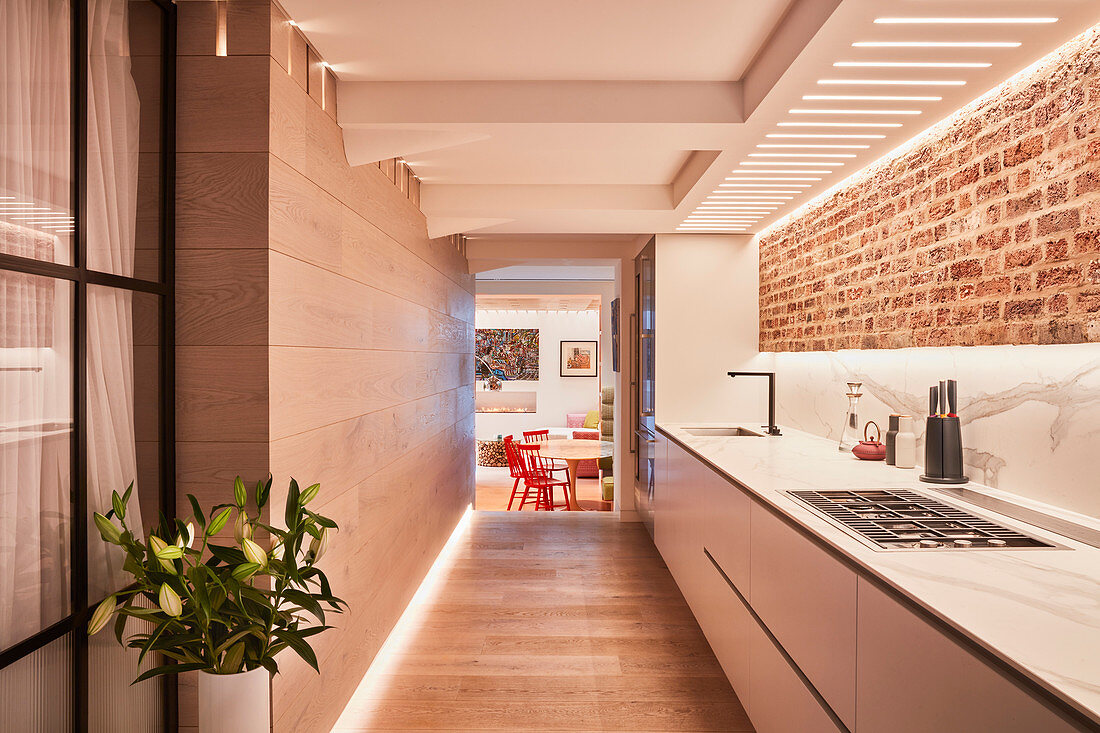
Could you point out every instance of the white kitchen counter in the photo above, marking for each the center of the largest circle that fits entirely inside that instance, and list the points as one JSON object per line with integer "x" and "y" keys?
{"x": 1038, "y": 610}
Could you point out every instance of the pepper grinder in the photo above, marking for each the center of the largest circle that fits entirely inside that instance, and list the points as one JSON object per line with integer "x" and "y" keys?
{"x": 943, "y": 459}
{"x": 905, "y": 443}
{"x": 891, "y": 438}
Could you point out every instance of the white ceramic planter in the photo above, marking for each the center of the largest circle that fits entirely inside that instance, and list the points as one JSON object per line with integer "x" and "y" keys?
{"x": 235, "y": 703}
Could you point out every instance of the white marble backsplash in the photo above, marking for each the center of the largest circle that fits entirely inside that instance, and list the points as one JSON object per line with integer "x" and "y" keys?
{"x": 1030, "y": 414}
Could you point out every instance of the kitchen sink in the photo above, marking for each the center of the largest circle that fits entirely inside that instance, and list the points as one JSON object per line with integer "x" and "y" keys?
{"x": 722, "y": 433}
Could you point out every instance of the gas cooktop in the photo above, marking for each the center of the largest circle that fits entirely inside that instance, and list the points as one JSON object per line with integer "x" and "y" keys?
{"x": 896, "y": 519}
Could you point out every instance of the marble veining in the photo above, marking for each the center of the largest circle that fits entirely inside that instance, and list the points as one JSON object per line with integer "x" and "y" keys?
{"x": 1039, "y": 610}
{"x": 1030, "y": 414}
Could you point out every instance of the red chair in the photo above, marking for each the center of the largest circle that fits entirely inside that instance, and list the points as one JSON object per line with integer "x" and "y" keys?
{"x": 587, "y": 468}
{"x": 542, "y": 436}
{"x": 535, "y": 476}
{"x": 513, "y": 469}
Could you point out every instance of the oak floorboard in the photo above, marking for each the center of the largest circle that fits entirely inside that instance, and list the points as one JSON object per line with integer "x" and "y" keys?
{"x": 517, "y": 636}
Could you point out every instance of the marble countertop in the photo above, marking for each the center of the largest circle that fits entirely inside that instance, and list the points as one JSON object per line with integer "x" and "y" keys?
{"x": 1038, "y": 610}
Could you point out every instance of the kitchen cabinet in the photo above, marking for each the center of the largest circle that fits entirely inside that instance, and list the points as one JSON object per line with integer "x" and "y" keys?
{"x": 912, "y": 678}
{"x": 724, "y": 527}
{"x": 807, "y": 599}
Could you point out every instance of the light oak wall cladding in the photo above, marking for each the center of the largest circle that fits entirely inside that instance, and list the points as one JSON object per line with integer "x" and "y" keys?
{"x": 332, "y": 341}
{"x": 986, "y": 231}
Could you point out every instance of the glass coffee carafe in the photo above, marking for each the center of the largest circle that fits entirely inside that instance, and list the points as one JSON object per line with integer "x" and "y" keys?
{"x": 850, "y": 435}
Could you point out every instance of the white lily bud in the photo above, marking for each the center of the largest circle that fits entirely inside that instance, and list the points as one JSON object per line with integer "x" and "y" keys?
{"x": 158, "y": 544}
{"x": 254, "y": 553}
{"x": 102, "y": 615}
{"x": 242, "y": 530}
{"x": 319, "y": 545}
{"x": 170, "y": 601}
{"x": 186, "y": 539}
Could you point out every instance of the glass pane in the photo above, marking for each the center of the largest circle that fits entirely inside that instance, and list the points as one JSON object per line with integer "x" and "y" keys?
{"x": 124, "y": 116}
{"x": 123, "y": 420}
{"x": 113, "y": 705}
{"x": 36, "y": 694}
{"x": 36, "y": 380}
{"x": 35, "y": 139}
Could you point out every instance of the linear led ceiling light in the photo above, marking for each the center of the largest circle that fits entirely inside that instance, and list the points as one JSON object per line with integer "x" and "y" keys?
{"x": 813, "y": 147}
{"x": 898, "y": 82}
{"x": 780, "y": 170}
{"x": 866, "y": 98}
{"x": 826, "y": 163}
{"x": 915, "y": 64}
{"x": 769, "y": 178}
{"x": 854, "y": 111}
{"x": 823, "y": 136}
{"x": 965, "y": 21}
{"x": 937, "y": 44}
{"x": 802, "y": 155}
{"x": 839, "y": 124}
{"x": 770, "y": 185}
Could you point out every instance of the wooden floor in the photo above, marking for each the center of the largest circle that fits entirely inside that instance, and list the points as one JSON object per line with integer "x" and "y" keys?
{"x": 549, "y": 621}
{"x": 494, "y": 487}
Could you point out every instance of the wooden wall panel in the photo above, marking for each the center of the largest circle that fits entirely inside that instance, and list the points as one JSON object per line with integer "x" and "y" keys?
{"x": 323, "y": 336}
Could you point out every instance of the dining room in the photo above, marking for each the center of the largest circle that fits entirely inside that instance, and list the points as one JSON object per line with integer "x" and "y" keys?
{"x": 544, "y": 399}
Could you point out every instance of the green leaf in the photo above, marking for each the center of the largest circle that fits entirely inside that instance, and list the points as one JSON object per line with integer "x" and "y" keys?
{"x": 119, "y": 507}
{"x": 231, "y": 662}
{"x": 170, "y": 669}
{"x": 197, "y": 510}
{"x": 292, "y": 506}
{"x": 238, "y": 492}
{"x": 218, "y": 521}
{"x": 299, "y": 645}
{"x": 270, "y": 665}
{"x": 228, "y": 555}
{"x": 263, "y": 492}
{"x": 306, "y": 601}
{"x": 310, "y": 493}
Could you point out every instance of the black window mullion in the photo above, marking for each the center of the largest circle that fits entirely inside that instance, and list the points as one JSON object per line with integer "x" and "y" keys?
{"x": 79, "y": 480}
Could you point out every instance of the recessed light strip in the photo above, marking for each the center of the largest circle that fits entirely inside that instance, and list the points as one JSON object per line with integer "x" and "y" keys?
{"x": 793, "y": 162}
{"x": 966, "y": 21}
{"x": 937, "y": 44}
{"x": 821, "y": 136}
{"x": 914, "y": 64}
{"x": 867, "y": 98}
{"x": 812, "y": 147}
{"x": 896, "y": 82}
{"x": 854, "y": 111}
{"x": 801, "y": 155}
{"x": 838, "y": 124}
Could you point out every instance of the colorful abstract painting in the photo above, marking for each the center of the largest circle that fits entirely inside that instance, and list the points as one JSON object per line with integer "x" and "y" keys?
{"x": 511, "y": 353}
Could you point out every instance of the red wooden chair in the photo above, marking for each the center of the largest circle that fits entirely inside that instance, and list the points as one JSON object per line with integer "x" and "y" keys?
{"x": 513, "y": 468}
{"x": 536, "y": 477}
{"x": 542, "y": 436}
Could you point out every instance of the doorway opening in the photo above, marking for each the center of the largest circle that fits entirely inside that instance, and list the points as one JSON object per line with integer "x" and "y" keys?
{"x": 544, "y": 373}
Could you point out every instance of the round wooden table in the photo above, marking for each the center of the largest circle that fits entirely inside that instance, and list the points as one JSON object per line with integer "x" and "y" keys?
{"x": 573, "y": 451}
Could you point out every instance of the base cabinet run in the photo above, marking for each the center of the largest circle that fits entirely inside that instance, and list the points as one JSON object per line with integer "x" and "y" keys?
{"x": 808, "y": 643}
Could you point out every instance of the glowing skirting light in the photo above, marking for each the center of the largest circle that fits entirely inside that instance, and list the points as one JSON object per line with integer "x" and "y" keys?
{"x": 380, "y": 673}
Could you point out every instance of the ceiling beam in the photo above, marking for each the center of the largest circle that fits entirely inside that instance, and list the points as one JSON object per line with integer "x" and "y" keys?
{"x": 445, "y": 200}
{"x": 542, "y": 102}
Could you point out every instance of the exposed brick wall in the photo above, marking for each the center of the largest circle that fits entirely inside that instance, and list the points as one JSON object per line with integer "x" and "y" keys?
{"x": 986, "y": 231}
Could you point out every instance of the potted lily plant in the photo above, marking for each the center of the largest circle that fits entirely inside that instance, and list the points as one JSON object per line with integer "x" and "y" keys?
{"x": 225, "y": 610}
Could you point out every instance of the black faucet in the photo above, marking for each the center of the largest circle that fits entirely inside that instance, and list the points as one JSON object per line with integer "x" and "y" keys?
{"x": 771, "y": 427}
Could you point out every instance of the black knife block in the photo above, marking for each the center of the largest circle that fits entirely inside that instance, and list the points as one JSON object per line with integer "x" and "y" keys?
{"x": 943, "y": 453}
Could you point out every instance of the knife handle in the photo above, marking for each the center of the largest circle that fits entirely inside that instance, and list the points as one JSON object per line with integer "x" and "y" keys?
{"x": 933, "y": 399}
{"x": 943, "y": 398}
{"x": 951, "y": 396}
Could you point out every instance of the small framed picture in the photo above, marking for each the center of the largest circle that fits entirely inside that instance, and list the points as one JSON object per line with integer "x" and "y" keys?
{"x": 578, "y": 359}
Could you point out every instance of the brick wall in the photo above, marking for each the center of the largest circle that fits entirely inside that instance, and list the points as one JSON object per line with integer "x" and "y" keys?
{"x": 985, "y": 231}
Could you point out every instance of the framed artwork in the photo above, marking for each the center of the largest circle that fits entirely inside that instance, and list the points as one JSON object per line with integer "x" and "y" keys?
{"x": 615, "y": 335}
{"x": 510, "y": 354}
{"x": 578, "y": 359}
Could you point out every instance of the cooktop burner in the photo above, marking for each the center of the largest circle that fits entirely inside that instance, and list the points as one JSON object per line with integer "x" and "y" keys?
{"x": 896, "y": 519}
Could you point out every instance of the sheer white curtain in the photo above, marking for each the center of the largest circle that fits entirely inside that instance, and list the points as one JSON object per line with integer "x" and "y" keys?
{"x": 113, "y": 120}
{"x": 35, "y": 318}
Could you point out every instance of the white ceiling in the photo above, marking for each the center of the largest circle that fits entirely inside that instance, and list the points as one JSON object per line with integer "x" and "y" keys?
{"x": 581, "y": 117}
{"x": 467, "y": 40}
{"x": 550, "y": 272}
{"x": 492, "y": 302}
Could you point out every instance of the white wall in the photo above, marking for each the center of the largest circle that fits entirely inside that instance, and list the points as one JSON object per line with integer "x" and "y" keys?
{"x": 707, "y": 325}
{"x": 556, "y": 395}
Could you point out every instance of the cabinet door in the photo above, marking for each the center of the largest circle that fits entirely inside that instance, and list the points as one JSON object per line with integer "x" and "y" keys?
{"x": 808, "y": 601}
{"x": 913, "y": 679}
{"x": 726, "y": 623}
{"x": 778, "y": 701}
{"x": 725, "y": 527}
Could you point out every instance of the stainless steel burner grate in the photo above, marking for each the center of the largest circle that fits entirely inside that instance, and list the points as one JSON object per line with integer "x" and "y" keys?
{"x": 896, "y": 519}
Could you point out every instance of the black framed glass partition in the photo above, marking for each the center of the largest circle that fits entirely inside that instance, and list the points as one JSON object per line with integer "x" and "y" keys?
{"x": 87, "y": 93}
